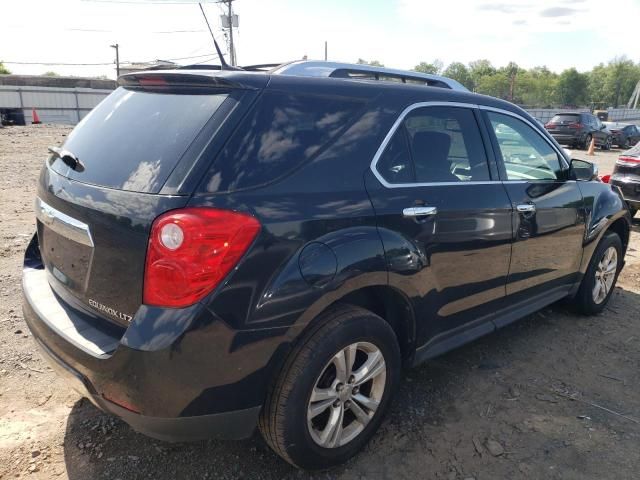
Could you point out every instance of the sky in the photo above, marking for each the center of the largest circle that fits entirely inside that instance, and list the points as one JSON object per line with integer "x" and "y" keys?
{"x": 400, "y": 33}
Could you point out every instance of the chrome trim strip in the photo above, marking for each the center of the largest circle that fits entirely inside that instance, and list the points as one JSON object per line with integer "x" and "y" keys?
{"x": 412, "y": 107}
{"x": 63, "y": 224}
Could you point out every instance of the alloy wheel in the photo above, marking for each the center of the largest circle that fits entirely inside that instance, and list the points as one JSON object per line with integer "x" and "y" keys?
{"x": 346, "y": 395}
{"x": 605, "y": 275}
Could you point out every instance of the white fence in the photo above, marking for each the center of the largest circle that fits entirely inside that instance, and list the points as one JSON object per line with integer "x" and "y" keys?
{"x": 53, "y": 104}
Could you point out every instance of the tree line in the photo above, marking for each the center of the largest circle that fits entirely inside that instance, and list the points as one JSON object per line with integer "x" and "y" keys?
{"x": 606, "y": 85}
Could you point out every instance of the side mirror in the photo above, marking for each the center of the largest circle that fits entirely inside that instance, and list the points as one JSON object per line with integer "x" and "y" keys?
{"x": 602, "y": 127}
{"x": 582, "y": 170}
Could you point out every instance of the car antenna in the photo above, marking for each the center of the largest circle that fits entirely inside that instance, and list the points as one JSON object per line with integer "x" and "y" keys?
{"x": 223, "y": 64}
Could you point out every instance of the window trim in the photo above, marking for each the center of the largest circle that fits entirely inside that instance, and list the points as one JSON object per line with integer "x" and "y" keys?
{"x": 471, "y": 106}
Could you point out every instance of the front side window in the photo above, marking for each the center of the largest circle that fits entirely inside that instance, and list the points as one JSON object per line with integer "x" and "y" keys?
{"x": 525, "y": 153}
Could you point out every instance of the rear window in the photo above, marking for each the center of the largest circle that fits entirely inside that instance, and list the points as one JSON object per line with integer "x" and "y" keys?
{"x": 565, "y": 118}
{"x": 282, "y": 132}
{"x": 133, "y": 140}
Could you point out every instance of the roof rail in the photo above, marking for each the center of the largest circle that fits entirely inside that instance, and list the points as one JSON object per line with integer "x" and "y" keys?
{"x": 316, "y": 68}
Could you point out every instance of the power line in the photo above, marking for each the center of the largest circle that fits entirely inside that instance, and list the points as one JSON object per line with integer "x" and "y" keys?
{"x": 63, "y": 64}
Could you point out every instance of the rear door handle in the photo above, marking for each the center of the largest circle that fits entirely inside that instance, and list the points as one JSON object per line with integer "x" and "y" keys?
{"x": 526, "y": 208}
{"x": 419, "y": 211}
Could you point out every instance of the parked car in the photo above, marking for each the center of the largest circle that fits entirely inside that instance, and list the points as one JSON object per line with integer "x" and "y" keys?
{"x": 220, "y": 250}
{"x": 626, "y": 176}
{"x": 577, "y": 129}
{"x": 624, "y": 134}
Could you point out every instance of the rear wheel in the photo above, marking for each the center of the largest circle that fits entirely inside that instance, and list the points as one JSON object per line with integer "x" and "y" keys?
{"x": 607, "y": 144}
{"x": 587, "y": 141}
{"x": 333, "y": 391}
{"x": 601, "y": 276}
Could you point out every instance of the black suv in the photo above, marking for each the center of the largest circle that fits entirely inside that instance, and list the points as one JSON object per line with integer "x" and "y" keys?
{"x": 578, "y": 129}
{"x": 220, "y": 250}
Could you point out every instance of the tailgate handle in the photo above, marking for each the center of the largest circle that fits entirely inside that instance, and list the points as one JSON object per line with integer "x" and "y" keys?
{"x": 63, "y": 224}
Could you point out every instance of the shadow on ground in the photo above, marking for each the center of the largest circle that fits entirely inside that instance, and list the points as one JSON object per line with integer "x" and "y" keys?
{"x": 550, "y": 390}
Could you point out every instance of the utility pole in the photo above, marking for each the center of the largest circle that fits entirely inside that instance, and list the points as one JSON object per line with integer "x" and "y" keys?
{"x": 116, "y": 46}
{"x": 232, "y": 51}
{"x": 325, "y": 50}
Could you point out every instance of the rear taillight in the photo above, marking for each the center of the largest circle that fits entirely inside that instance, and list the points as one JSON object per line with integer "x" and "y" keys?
{"x": 191, "y": 251}
{"x": 575, "y": 125}
{"x": 628, "y": 161}
{"x": 549, "y": 125}
{"x": 605, "y": 178}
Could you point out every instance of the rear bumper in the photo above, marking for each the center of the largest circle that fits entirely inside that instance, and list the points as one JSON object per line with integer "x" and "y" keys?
{"x": 567, "y": 139}
{"x": 228, "y": 425}
{"x": 188, "y": 382}
{"x": 629, "y": 187}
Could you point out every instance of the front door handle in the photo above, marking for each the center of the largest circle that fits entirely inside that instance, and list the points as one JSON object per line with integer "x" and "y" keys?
{"x": 419, "y": 211}
{"x": 526, "y": 208}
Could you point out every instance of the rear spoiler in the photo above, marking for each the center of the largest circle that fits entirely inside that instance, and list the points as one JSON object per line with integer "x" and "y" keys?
{"x": 186, "y": 82}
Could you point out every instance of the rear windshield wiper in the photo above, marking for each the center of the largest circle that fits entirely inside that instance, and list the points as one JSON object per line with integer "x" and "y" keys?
{"x": 68, "y": 158}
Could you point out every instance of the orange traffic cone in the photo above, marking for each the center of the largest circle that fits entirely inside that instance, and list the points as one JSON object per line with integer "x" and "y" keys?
{"x": 592, "y": 147}
{"x": 36, "y": 118}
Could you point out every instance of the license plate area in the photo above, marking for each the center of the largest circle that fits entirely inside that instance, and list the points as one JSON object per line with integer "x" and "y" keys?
{"x": 66, "y": 247}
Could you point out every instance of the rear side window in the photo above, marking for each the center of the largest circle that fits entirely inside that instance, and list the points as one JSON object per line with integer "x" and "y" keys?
{"x": 133, "y": 140}
{"x": 282, "y": 132}
{"x": 435, "y": 145}
{"x": 571, "y": 118}
{"x": 446, "y": 145}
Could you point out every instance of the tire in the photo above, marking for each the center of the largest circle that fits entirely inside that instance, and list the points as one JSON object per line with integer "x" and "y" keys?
{"x": 587, "y": 142}
{"x": 633, "y": 211}
{"x": 285, "y": 419}
{"x": 607, "y": 144}
{"x": 626, "y": 145}
{"x": 585, "y": 300}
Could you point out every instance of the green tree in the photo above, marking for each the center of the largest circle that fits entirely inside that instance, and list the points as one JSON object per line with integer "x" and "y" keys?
{"x": 373, "y": 63}
{"x": 479, "y": 69}
{"x": 50, "y": 74}
{"x": 434, "y": 68}
{"x": 458, "y": 71}
{"x": 4, "y": 70}
{"x": 572, "y": 87}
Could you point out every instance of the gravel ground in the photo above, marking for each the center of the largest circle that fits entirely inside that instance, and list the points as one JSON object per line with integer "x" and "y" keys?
{"x": 554, "y": 396}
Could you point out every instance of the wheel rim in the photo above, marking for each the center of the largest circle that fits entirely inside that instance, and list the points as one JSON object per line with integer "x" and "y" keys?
{"x": 605, "y": 275}
{"x": 346, "y": 395}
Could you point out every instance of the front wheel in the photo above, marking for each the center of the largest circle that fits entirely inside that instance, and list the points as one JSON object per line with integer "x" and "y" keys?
{"x": 601, "y": 276}
{"x": 333, "y": 391}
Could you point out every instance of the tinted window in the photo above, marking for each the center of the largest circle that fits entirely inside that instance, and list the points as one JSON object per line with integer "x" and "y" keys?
{"x": 281, "y": 132}
{"x": 395, "y": 163}
{"x": 133, "y": 140}
{"x": 570, "y": 118}
{"x": 525, "y": 154}
{"x": 446, "y": 145}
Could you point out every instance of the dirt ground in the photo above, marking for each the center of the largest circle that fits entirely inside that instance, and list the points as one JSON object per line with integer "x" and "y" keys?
{"x": 555, "y": 396}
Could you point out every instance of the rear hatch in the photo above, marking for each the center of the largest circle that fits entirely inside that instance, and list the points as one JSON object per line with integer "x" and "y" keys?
{"x": 565, "y": 124}
{"x": 125, "y": 163}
